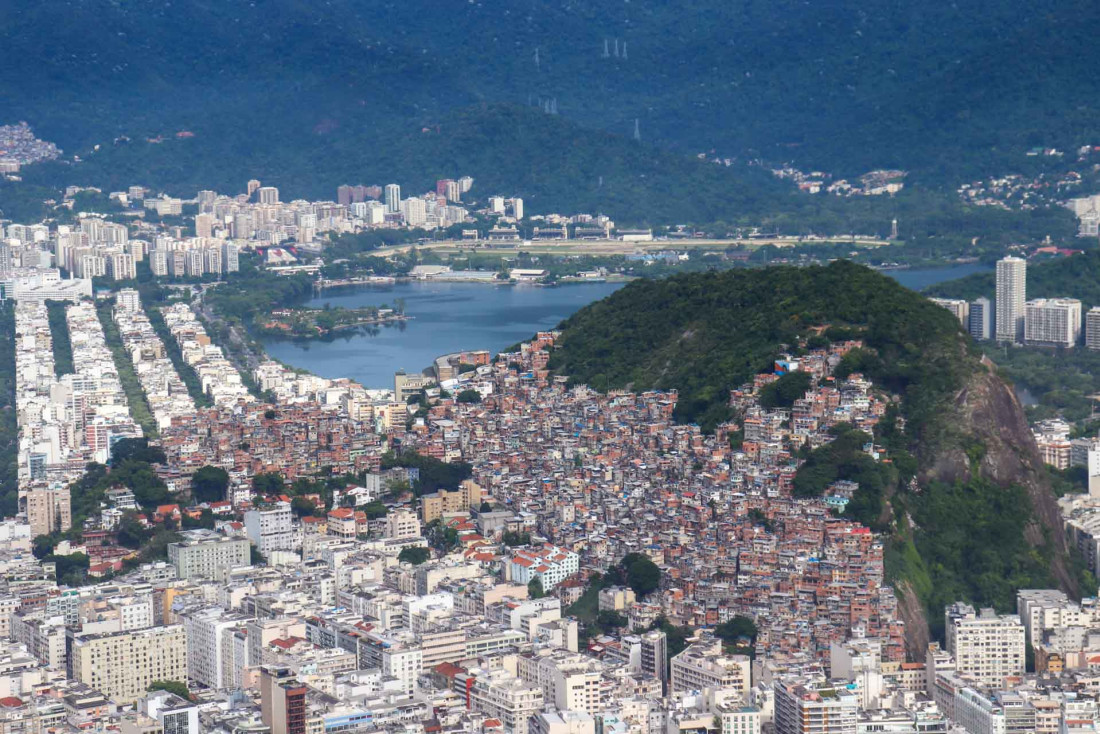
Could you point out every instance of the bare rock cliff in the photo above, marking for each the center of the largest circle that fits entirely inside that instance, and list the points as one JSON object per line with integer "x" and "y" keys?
{"x": 989, "y": 422}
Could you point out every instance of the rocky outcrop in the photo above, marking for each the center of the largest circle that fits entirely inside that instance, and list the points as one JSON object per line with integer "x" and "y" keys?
{"x": 991, "y": 424}
{"x": 911, "y": 611}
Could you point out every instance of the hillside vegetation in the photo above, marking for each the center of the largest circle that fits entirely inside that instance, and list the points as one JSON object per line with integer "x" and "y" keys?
{"x": 705, "y": 333}
{"x": 941, "y": 88}
{"x": 983, "y": 522}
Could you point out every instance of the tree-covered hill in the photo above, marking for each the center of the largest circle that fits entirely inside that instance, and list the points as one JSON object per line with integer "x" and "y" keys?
{"x": 984, "y": 520}
{"x": 945, "y": 89}
{"x": 703, "y": 334}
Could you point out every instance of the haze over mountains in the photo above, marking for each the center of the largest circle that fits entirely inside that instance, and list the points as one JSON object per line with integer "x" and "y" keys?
{"x": 942, "y": 89}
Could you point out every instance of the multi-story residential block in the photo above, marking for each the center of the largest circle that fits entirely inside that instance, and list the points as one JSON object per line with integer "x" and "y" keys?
{"x": 814, "y": 707}
{"x": 1011, "y": 296}
{"x": 209, "y": 555}
{"x": 988, "y": 648}
{"x": 981, "y": 319}
{"x": 434, "y": 506}
{"x": 402, "y": 523}
{"x": 123, "y": 664}
{"x": 49, "y": 510}
{"x": 1053, "y": 322}
{"x": 501, "y": 695}
{"x": 271, "y": 528}
{"x": 705, "y": 665}
{"x": 1092, "y": 328}
{"x": 960, "y": 308}
{"x": 550, "y": 564}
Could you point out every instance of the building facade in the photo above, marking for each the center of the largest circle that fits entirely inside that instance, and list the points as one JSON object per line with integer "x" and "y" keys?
{"x": 1053, "y": 322}
{"x": 1011, "y": 297}
{"x": 122, "y": 665}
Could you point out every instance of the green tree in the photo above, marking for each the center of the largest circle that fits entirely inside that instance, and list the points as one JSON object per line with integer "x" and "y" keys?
{"x": 640, "y": 573}
{"x": 209, "y": 484}
{"x": 783, "y": 392}
{"x": 43, "y": 545}
{"x": 268, "y": 483}
{"x": 469, "y": 396}
{"x": 301, "y": 506}
{"x": 738, "y": 628}
{"x": 534, "y": 589}
{"x": 131, "y": 533}
{"x": 609, "y": 620}
{"x": 513, "y": 539}
{"x": 136, "y": 449}
{"x": 414, "y": 555}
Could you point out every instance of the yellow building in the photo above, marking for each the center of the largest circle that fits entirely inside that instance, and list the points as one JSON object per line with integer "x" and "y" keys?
{"x": 435, "y": 506}
{"x": 121, "y": 665}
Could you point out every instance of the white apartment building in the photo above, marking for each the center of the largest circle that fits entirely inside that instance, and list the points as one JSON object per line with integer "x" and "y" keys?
{"x": 1092, "y": 328}
{"x": 569, "y": 681}
{"x": 705, "y": 665}
{"x": 550, "y": 564}
{"x": 987, "y": 647}
{"x": 208, "y": 633}
{"x": 402, "y": 524}
{"x": 814, "y": 707}
{"x": 270, "y": 528}
{"x": 1011, "y": 296}
{"x": 209, "y": 555}
{"x": 1053, "y": 322}
{"x": 501, "y": 695}
{"x": 961, "y": 309}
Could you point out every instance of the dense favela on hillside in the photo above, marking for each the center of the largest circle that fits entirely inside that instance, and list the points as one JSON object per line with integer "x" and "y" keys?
{"x": 199, "y": 543}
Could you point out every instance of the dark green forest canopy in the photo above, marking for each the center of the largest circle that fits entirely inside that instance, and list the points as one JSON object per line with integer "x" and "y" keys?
{"x": 703, "y": 334}
{"x": 942, "y": 88}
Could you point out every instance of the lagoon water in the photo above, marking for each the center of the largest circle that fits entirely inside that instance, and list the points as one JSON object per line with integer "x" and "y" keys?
{"x": 444, "y": 318}
{"x": 451, "y": 317}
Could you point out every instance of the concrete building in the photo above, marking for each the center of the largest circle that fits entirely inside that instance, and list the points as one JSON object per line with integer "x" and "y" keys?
{"x": 814, "y": 707}
{"x": 209, "y": 634}
{"x": 208, "y": 555}
{"x": 434, "y": 506}
{"x": 268, "y": 195}
{"x": 122, "y": 664}
{"x": 1053, "y": 322}
{"x": 173, "y": 714}
{"x": 987, "y": 647}
{"x": 550, "y": 564}
{"x": 405, "y": 385}
{"x": 705, "y": 665}
{"x": 501, "y": 695}
{"x": 655, "y": 655}
{"x": 402, "y": 523}
{"x": 270, "y": 528}
{"x": 49, "y": 511}
{"x": 960, "y": 308}
{"x": 1011, "y": 297}
{"x": 393, "y": 198}
{"x": 1092, "y": 328}
{"x": 981, "y": 319}
{"x": 282, "y": 701}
